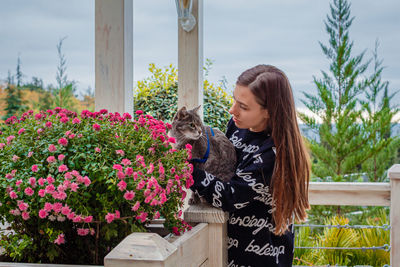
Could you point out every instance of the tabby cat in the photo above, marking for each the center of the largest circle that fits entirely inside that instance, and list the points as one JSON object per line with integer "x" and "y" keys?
{"x": 188, "y": 128}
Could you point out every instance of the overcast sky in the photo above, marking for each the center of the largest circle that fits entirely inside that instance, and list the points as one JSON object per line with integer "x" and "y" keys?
{"x": 238, "y": 34}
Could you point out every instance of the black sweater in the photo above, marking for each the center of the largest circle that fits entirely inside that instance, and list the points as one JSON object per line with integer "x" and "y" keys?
{"x": 248, "y": 200}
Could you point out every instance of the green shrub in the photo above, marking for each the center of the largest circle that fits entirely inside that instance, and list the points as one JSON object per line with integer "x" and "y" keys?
{"x": 344, "y": 237}
{"x": 158, "y": 96}
{"x": 72, "y": 187}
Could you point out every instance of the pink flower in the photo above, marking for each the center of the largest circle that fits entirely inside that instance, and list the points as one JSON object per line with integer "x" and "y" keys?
{"x": 52, "y": 148}
{"x": 35, "y": 168}
{"x": 121, "y": 175}
{"x": 120, "y": 152}
{"x": 128, "y": 171}
{"x": 136, "y": 206}
{"x": 121, "y": 185}
{"x": 49, "y": 124}
{"x": 62, "y": 141}
{"x": 71, "y": 216}
{"x": 62, "y": 168}
{"x": 163, "y": 198}
{"x": 61, "y": 157}
{"x": 65, "y": 210}
{"x": 64, "y": 119}
{"x": 126, "y": 162}
{"x": 172, "y": 140}
{"x": 77, "y": 218}
{"x": 60, "y": 239}
{"x": 161, "y": 169}
{"x": 41, "y": 181}
{"x": 18, "y": 183}
{"x": 32, "y": 181}
{"x": 139, "y": 112}
{"x": 23, "y": 206}
{"x": 43, "y": 214}
{"x": 15, "y": 212}
{"x": 142, "y": 217}
{"x": 86, "y": 181}
{"x": 9, "y": 139}
{"x": 50, "y": 188}
{"x": 129, "y": 195}
{"x": 117, "y": 214}
{"x": 156, "y": 215}
{"x": 117, "y": 167}
{"x": 110, "y": 217}
{"x": 21, "y": 131}
{"x": 48, "y": 206}
{"x": 76, "y": 121}
{"x": 74, "y": 187}
{"x": 29, "y": 191}
{"x": 42, "y": 193}
{"x": 151, "y": 168}
{"x": 88, "y": 219}
{"x": 25, "y": 215}
{"x": 50, "y": 180}
{"x": 82, "y": 231}
{"x": 51, "y": 159}
{"x": 140, "y": 185}
{"x": 57, "y": 207}
{"x": 15, "y": 158}
{"x": 2, "y": 145}
{"x": 97, "y": 150}
{"x": 188, "y": 146}
{"x": 30, "y": 153}
{"x": 96, "y": 127}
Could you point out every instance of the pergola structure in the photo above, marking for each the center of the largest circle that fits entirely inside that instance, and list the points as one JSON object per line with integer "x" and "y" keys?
{"x": 114, "y": 57}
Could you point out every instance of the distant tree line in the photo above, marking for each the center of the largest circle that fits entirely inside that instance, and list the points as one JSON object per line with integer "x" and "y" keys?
{"x": 63, "y": 94}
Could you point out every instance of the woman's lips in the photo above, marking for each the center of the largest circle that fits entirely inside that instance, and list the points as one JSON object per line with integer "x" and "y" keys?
{"x": 235, "y": 120}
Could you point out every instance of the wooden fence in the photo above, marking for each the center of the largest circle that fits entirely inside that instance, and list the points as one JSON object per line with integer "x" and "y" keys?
{"x": 205, "y": 245}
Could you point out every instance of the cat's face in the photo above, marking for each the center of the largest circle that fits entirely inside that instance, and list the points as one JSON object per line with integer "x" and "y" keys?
{"x": 187, "y": 124}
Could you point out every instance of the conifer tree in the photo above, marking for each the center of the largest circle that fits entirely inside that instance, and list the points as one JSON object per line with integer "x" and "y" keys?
{"x": 343, "y": 141}
{"x": 64, "y": 93}
{"x": 13, "y": 99}
{"x": 380, "y": 114}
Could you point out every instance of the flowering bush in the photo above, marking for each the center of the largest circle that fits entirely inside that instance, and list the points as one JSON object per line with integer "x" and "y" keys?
{"x": 72, "y": 187}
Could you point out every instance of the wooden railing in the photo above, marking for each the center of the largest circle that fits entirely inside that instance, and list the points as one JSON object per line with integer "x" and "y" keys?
{"x": 205, "y": 244}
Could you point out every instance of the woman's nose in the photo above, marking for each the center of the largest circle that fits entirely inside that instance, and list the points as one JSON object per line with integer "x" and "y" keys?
{"x": 232, "y": 109}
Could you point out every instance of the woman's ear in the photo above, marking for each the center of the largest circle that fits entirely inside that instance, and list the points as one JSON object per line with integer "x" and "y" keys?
{"x": 266, "y": 114}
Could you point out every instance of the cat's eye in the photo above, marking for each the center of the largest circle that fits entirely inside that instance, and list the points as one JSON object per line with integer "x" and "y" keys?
{"x": 192, "y": 125}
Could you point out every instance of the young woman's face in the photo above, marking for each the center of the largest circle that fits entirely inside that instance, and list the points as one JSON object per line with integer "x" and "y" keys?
{"x": 246, "y": 112}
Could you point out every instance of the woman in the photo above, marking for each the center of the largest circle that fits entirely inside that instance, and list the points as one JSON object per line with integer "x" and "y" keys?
{"x": 270, "y": 188}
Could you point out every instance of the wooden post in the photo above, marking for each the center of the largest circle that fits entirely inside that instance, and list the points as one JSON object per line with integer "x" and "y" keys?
{"x": 114, "y": 55}
{"x": 394, "y": 176}
{"x": 190, "y": 61}
{"x": 218, "y": 237}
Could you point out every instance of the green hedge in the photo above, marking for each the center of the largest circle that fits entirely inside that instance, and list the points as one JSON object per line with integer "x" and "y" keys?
{"x": 158, "y": 95}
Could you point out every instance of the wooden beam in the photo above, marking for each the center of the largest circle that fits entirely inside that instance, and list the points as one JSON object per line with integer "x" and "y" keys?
{"x": 394, "y": 176}
{"x": 190, "y": 61}
{"x": 114, "y": 55}
{"x": 349, "y": 194}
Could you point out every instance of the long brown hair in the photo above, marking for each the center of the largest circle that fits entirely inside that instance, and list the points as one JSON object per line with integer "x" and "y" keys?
{"x": 291, "y": 173}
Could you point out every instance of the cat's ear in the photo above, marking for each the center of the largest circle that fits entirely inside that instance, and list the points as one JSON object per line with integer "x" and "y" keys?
{"x": 196, "y": 109}
{"x": 181, "y": 113}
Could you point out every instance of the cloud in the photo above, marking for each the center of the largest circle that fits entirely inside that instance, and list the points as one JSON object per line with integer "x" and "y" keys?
{"x": 237, "y": 35}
